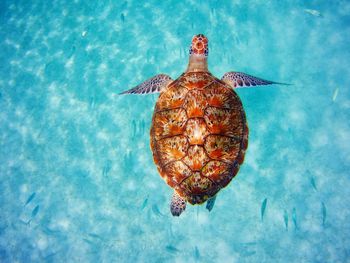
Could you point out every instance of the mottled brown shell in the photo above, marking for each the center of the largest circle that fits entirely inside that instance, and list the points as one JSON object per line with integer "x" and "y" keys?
{"x": 199, "y": 135}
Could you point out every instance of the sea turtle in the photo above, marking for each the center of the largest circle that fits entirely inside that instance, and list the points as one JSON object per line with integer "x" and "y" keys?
{"x": 199, "y": 131}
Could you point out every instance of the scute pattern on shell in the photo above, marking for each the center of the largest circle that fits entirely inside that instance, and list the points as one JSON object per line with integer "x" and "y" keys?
{"x": 198, "y": 136}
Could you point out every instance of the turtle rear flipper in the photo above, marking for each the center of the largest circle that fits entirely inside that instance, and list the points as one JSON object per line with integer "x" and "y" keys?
{"x": 210, "y": 203}
{"x": 155, "y": 84}
{"x": 239, "y": 79}
{"x": 177, "y": 205}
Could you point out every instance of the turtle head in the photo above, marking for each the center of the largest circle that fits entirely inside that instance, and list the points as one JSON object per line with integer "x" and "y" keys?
{"x": 198, "y": 54}
{"x": 199, "y": 46}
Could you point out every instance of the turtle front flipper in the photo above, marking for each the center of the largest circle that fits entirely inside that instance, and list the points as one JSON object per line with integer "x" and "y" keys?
{"x": 210, "y": 203}
{"x": 153, "y": 85}
{"x": 177, "y": 205}
{"x": 239, "y": 79}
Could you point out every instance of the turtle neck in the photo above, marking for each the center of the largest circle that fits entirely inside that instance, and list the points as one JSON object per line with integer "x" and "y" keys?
{"x": 197, "y": 63}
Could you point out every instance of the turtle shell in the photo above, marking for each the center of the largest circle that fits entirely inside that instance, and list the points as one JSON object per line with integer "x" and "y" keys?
{"x": 199, "y": 135}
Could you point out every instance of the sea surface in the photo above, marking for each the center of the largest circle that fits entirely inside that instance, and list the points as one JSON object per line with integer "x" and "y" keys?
{"x": 77, "y": 178}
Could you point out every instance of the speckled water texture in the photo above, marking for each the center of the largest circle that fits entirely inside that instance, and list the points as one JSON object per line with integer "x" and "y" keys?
{"x": 77, "y": 179}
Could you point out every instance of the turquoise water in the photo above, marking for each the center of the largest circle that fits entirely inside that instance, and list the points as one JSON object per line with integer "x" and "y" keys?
{"x": 77, "y": 179}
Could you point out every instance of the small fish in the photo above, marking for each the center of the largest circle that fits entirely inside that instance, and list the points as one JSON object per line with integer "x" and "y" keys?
{"x": 92, "y": 102}
{"x": 313, "y": 183}
{"x": 88, "y": 241}
{"x": 128, "y": 160}
{"x": 133, "y": 128}
{"x": 335, "y": 94}
{"x": 35, "y": 211}
{"x": 263, "y": 208}
{"x": 313, "y": 12}
{"x": 143, "y": 126}
{"x": 107, "y": 168}
{"x": 324, "y": 214}
{"x": 294, "y": 218}
{"x": 122, "y": 17}
{"x": 171, "y": 249}
{"x": 144, "y": 203}
{"x": 285, "y": 217}
{"x": 155, "y": 210}
{"x": 83, "y": 34}
{"x": 196, "y": 253}
{"x": 50, "y": 231}
{"x": 30, "y": 198}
